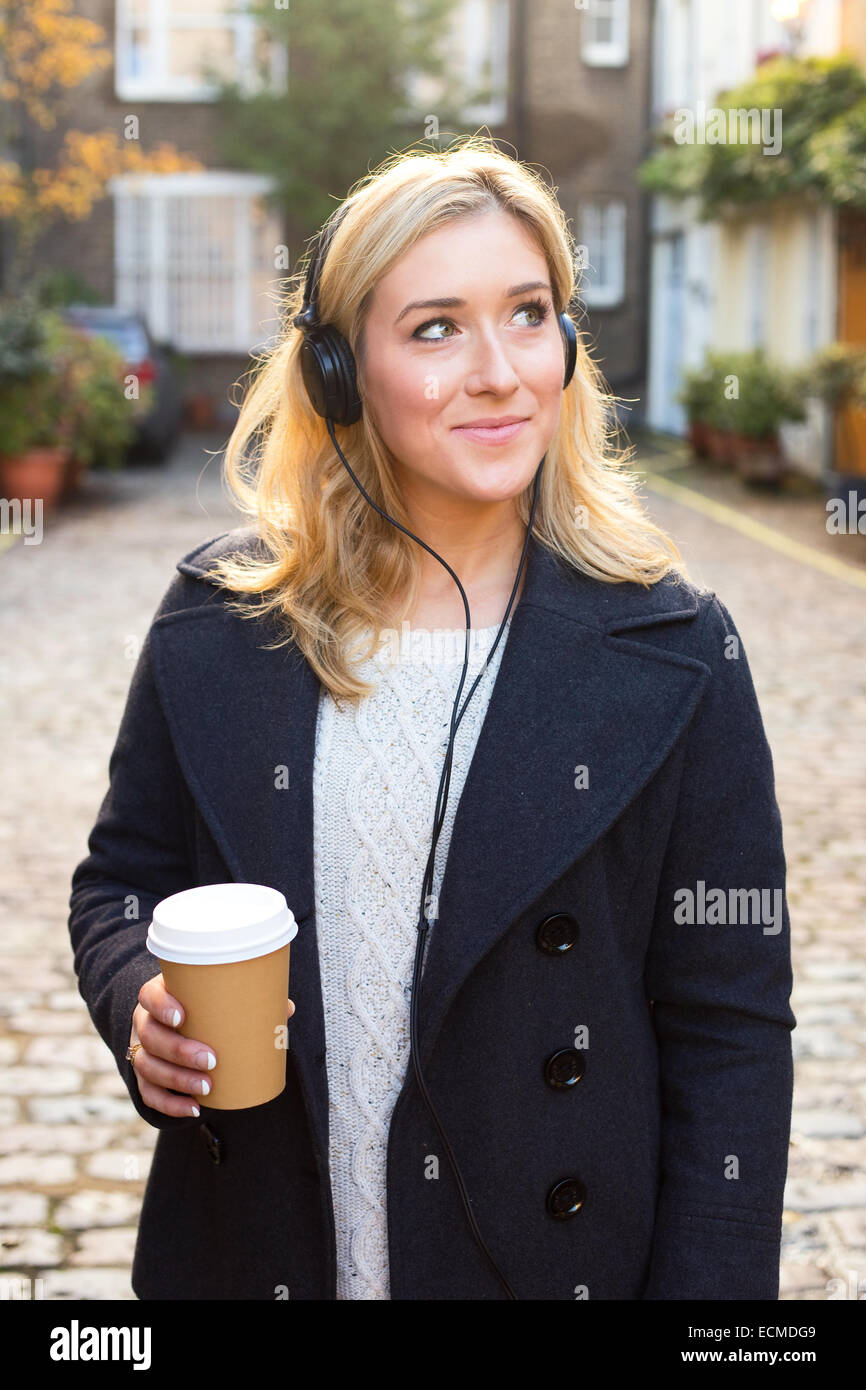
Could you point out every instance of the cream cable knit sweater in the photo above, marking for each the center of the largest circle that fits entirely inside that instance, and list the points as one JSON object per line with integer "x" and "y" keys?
{"x": 376, "y": 773}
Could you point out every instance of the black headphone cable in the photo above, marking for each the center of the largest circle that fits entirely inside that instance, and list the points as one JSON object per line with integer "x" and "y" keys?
{"x": 438, "y": 820}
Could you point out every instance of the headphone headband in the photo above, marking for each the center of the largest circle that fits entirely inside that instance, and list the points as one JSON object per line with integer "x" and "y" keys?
{"x": 309, "y": 315}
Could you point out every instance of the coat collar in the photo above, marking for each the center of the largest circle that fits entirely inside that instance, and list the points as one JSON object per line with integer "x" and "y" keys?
{"x": 569, "y": 692}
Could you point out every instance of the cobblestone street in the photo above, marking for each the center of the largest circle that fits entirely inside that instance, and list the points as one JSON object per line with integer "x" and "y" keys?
{"x": 74, "y": 1154}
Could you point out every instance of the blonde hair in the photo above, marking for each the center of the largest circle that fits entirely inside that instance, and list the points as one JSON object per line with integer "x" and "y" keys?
{"x": 338, "y": 567}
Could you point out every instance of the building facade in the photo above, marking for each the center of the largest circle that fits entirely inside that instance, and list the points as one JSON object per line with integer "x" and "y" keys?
{"x": 581, "y": 108}
{"x": 769, "y": 277}
{"x": 194, "y": 252}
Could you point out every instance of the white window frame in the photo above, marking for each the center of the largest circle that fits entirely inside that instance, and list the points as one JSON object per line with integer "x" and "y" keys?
{"x": 485, "y": 28}
{"x": 159, "y": 189}
{"x": 480, "y": 31}
{"x": 612, "y": 54}
{"x": 673, "y": 56}
{"x": 165, "y": 15}
{"x": 600, "y": 218}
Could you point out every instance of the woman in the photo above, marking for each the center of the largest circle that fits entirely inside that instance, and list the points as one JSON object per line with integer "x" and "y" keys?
{"x": 603, "y": 1026}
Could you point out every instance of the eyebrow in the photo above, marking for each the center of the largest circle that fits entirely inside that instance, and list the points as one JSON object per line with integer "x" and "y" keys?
{"x": 452, "y": 302}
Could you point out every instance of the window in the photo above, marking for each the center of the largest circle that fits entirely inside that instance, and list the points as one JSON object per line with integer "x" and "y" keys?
{"x": 673, "y": 56}
{"x": 601, "y": 247}
{"x": 604, "y": 35}
{"x": 165, "y": 49}
{"x": 194, "y": 254}
{"x": 477, "y": 50}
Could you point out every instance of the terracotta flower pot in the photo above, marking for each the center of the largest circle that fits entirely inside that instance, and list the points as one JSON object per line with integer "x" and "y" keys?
{"x": 73, "y": 473}
{"x": 699, "y": 437}
{"x": 719, "y": 446}
{"x": 758, "y": 460}
{"x": 37, "y": 473}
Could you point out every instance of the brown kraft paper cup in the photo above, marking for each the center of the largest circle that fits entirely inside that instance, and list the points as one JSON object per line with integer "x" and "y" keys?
{"x": 224, "y": 953}
{"x": 239, "y": 1010}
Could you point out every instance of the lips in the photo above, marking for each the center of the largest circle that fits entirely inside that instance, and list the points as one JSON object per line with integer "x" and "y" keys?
{"x": 492, "y": 430}
{"x": 491, "y": 422}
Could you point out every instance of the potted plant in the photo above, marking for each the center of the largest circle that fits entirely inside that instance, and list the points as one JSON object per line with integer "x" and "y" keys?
{"x": 837, "y": 374}
{"x": 32, "y": 448}
{"x": 697, "y": 395}
{"x": 717, "y": 434}
{"x": 766, "y": 395}
{"x": 837, "y": 377}
{"x": 98, "y": 423}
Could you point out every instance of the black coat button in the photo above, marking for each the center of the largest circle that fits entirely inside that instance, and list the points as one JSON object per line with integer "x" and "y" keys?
{"x": 556, "y": 934}
{"x": 564, "y": 1068}
{"x": 566, "y": 1198}
{"x": 212, "y": 1143}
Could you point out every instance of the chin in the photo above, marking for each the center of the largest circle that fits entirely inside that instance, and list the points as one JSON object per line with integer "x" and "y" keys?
{"x": 494, "y": 480}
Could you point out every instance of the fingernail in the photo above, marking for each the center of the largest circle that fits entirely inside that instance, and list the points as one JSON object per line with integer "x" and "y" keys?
{"x": 205, "y": 1059}
{"x": 205, "y": 1086}
{"x": 195, "y": 1110}
{"x": 175, "y": 1018}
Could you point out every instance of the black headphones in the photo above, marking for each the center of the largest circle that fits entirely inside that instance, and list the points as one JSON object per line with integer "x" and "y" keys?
{"x": 327, "y": 361}
{"x": 328, "y": 367}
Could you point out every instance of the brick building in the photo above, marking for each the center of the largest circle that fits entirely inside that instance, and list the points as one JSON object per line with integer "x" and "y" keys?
{"x": 194, "y": 252}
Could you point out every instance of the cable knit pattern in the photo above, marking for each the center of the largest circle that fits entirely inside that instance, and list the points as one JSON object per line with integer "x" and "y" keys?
{"x": 376, "y": 773}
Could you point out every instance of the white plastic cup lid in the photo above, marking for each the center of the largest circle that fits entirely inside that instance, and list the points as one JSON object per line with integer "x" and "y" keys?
{"x": 220, "y": 922}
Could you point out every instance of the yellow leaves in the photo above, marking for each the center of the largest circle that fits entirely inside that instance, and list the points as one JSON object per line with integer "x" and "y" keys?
{"x": 164, "y": 159}
{"x": 88, "y": 159}
{"x": 12, "y": 192}
{"x": 44, "y": 47}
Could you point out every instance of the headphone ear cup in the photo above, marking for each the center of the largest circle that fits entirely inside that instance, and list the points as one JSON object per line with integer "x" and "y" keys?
{"x": 328, "y": 369}
{"x": 348, "y": 378}
{"x": 569, "y": 333}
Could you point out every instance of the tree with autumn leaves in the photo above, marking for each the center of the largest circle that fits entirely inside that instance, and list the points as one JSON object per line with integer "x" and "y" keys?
{"x": 46, "y": 53}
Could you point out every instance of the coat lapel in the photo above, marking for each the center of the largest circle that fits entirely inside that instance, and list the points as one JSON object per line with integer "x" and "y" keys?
{"x": 569, "y": 693}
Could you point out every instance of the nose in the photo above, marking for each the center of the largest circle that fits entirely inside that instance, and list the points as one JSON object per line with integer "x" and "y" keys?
{"x": 492, "y": 367}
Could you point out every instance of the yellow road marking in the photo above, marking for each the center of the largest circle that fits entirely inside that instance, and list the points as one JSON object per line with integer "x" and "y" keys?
{"x": 757, "y": 531}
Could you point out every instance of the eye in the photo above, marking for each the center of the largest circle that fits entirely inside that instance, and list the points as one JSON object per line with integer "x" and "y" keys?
{"x": 431, "y": 323}
{"x": 536, "y": 306}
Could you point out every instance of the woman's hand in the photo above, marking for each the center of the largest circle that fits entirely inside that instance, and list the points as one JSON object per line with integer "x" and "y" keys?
{"x": 167, "y": 1062}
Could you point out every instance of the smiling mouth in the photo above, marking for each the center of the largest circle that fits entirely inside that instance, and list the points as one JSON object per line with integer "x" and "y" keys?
{"x": 491, "y": 434}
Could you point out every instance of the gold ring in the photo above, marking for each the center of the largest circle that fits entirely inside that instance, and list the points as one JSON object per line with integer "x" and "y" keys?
{"x": 131, "y": 1051}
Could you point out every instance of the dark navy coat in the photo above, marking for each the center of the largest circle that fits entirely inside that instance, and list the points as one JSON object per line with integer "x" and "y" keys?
{"x": 622, "y": 772}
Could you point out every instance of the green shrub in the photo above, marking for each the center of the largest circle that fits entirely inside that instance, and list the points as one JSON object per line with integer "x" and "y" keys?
{"x": 837, "y": 374}
{"x": 698, "y": 393}
{"x": 31, "y": 403}
{"x": 59, "y": 387}
{"x": 823, "y": 160}
{"x": 767, "y": 393}
{"x": 98, "y": 419}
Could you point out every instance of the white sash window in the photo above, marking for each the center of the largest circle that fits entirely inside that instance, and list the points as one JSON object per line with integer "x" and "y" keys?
{"x": 164, "y": 50}
{"x": 195, "y": 253}
{"x": 604, "y": 33}
{"x": 601, "y": 245}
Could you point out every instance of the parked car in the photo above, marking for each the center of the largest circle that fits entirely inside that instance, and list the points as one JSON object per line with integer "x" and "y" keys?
{"x": 159, "y": 407}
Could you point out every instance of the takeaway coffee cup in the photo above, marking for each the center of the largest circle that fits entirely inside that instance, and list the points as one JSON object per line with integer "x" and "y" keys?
{"x": 224, "y": 953}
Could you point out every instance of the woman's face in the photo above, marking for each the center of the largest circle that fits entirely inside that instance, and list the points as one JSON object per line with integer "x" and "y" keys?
{"x": 493, "y": 352}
